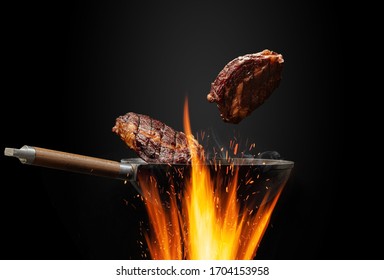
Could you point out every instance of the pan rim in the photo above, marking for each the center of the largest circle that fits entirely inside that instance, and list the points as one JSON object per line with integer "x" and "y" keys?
{"x": 276, "y": 163}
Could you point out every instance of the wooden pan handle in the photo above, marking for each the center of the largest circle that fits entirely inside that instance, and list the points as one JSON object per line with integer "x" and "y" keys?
{"x": 74, "y": 162}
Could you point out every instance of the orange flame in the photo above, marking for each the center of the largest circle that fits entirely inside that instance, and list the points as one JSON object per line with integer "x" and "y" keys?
{"x": 205, "y": 220}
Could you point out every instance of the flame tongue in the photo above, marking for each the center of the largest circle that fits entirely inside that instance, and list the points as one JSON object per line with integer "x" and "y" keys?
{"x": 212, "y": 219}
{"x": 211, "y": 215}
{"x": 210, "y": 236}
{"x": 205, "y": 220}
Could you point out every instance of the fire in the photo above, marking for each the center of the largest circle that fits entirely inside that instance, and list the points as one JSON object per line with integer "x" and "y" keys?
{"x": 205, "y": 219}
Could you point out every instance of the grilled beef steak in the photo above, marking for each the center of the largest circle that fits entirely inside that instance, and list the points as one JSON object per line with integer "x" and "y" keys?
{"x": 154, "y": 141}
{"x": 245, "y": 83}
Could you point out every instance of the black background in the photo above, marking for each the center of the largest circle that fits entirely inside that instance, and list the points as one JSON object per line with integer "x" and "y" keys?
{"x": 75, "y": 67}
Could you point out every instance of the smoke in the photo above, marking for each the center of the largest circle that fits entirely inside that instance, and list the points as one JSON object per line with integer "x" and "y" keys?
{"x": 216, "y": 148}
{"x": 269, "y": 155}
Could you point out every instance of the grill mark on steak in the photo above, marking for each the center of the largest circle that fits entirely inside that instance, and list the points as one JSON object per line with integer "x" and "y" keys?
{"x": 174, "y": 149}
{"x": 154, "y": 141}
{"x": 142, "y": 137}
{"x": 157, "y": 128}
{"x": 245, "y": 83}
{"x": 167, "y": 148}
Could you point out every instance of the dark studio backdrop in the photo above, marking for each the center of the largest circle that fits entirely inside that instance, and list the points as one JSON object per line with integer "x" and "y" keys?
{"x": 77, "y": 66}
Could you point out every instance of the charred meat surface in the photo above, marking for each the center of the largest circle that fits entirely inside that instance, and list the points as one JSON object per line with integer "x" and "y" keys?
{"x": 245, "y": 83}
{"x": 154, "y": 141}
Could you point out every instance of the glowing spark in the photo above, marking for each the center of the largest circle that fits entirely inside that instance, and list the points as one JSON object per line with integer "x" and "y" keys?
{"x": 235, "y": 149}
